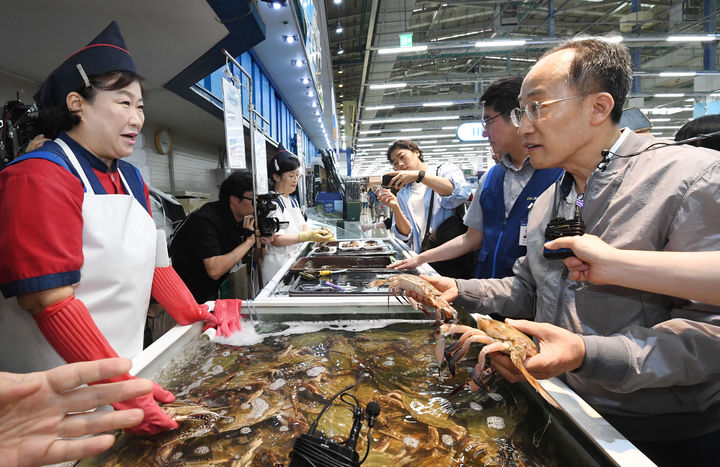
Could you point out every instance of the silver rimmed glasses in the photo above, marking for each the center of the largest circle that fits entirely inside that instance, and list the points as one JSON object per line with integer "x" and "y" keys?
{"x": 532, "y": 110}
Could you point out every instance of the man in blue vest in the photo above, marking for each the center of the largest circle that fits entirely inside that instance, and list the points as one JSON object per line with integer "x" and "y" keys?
{"x": 498, "y": 213}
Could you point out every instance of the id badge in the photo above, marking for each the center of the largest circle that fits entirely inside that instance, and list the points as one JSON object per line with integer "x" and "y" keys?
{"x": 523, "y": 234}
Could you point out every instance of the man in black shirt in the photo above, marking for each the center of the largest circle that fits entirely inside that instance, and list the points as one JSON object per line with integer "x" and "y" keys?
{"x": 216, "y": 237}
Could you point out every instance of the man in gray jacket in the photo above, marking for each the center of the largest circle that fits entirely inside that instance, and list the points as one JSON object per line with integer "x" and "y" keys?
{"x": 649, "y": 363}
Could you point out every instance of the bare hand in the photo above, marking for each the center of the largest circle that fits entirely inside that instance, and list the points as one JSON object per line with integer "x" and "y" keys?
{"x": 36, "y": 411}
{"x": 407, "y": 263}
{"x": 592, "y": 257}
{"x": 445, "y": 285}
{"x": 402, "y": 178}
{"x": 36, "y": 142}
{"x": 560, "y": 351}
{"x": 388, "y": 199}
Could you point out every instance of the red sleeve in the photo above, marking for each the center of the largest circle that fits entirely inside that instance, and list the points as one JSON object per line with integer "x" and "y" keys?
{"x": 146, "y": 190}
{"x": 41, "y": 228}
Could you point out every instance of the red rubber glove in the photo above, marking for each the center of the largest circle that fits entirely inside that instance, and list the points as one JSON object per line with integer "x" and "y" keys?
{"x": 69, "y": 328}
{"x": 172, "y": 293}
{"x": 227, "y": 313}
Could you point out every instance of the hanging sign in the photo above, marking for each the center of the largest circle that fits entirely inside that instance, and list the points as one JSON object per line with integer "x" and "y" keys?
{"x": 406, "y": 40}
{"x": 261, "y": 176}
{"x": 234, "y": 129}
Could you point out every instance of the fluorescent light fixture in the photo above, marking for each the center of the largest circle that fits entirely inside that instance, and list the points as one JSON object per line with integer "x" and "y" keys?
{"x": 669, "y": 94}
{"x": 666, "y": 110}
{"x": 410, "y": 129}
{"x": 449, "y": 128}
{"x": 380, "y": 107}
{"x": 400, "y": 50}
{"x": 660, "y": 119}
{"x": 438, "y": 104}
{"x": 678, "y": 73}
{"x": 500, "y": 43}
{"x": 410, "y": 119}
{"x": 667, "y": 127}
{"x": 691, "y": 38}
{"x": 439, "y": 150}
{"x": 388, "y": 86}
{"x": 418, "y": 137}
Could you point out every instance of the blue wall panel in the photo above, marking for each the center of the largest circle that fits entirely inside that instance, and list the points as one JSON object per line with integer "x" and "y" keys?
{"x": 268, "y": 102}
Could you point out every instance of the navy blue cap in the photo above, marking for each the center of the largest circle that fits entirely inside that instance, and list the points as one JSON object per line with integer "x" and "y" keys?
{"x": 105, "y": 53}
{"x": 281, "y": 155}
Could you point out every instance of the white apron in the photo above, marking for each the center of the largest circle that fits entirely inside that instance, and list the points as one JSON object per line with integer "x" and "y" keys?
{"x": 276, "y": 256}
{"x": 120, "y": 244}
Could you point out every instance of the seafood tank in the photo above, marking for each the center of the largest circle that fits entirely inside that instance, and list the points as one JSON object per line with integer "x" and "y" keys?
{"x": 245, "y": 405}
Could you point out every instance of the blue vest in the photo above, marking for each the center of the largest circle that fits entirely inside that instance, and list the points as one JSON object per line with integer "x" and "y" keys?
{"x": 52, "y": 152}
{"x": 501, "y": 237}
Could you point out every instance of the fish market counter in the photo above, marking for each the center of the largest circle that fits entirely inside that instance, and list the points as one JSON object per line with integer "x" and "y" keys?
{"x": 331, "y": 279}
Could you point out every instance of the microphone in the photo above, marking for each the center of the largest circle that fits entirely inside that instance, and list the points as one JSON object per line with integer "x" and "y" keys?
{"x": 605, "y": 153}
{"x": 373, "y": 410}
{"x": 355, "y": 430}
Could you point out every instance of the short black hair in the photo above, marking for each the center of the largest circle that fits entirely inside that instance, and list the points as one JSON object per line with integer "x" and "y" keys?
{"x": 237, "y": 184}
{"x": 60, "y": 118}
{"x": 701, "y": 126}
{"x": 403, "y": 144}
{"x": 599, "y": 66}
{"x": 502, "y": 95}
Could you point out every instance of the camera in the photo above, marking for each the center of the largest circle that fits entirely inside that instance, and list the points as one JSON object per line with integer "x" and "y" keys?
{"x": 561, "y": 227}
{"x": 266, "y": 224}
{"x": 20, "y": 123}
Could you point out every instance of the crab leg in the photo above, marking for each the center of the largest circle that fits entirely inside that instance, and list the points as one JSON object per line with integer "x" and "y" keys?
{"x": 477, "y": 336}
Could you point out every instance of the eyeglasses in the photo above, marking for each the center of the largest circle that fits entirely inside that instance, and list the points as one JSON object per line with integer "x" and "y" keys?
{"x": 291, "y": 176}
{"x": 532, "y": 110}
{"x": 252, "y": 200}
{"x": 487, "y": 121}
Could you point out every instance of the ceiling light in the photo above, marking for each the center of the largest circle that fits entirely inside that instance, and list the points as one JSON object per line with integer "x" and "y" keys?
{"x": 317, "y": 112}
{"x": 339, "y": 29}
{"x": 690, "y": 38}
{"x": 614, "y": 39}
{"x": 340, "y": 71}
{"x": 500, "y": 43}
{"x": 410, "y": 129}
{"x": 297, "y": 63}
{"x": 314, "y": 104}
{"x": 277, "y": 4}
{"x": 341, "y": 96}
{"x": 677, "y": 73}
{"x": 388, "y": 86}
{"x": 340, "y": 50}
{"x": 337, "y": 2}
{"x": 310, "y": 93}
{"x": 410, "y": 119}
{"x": 380, "y": 107}
{"x": 305, "y": 81}
{"x": 289, "y": 39}
{"x": 400, "y": 50}
{"x": 669, "y": 94}
{"x": 438, "y": 104}
{"x": 340, "y": 85}
{"x": 660, "y": 119}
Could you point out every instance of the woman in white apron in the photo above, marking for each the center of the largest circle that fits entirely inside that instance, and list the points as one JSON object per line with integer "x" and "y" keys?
{"x": 80, "y": 252}
{"x": 285, "y": 171}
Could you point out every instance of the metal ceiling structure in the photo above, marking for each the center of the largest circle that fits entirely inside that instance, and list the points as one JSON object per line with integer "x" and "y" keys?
{"x": 456, "y": 52}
